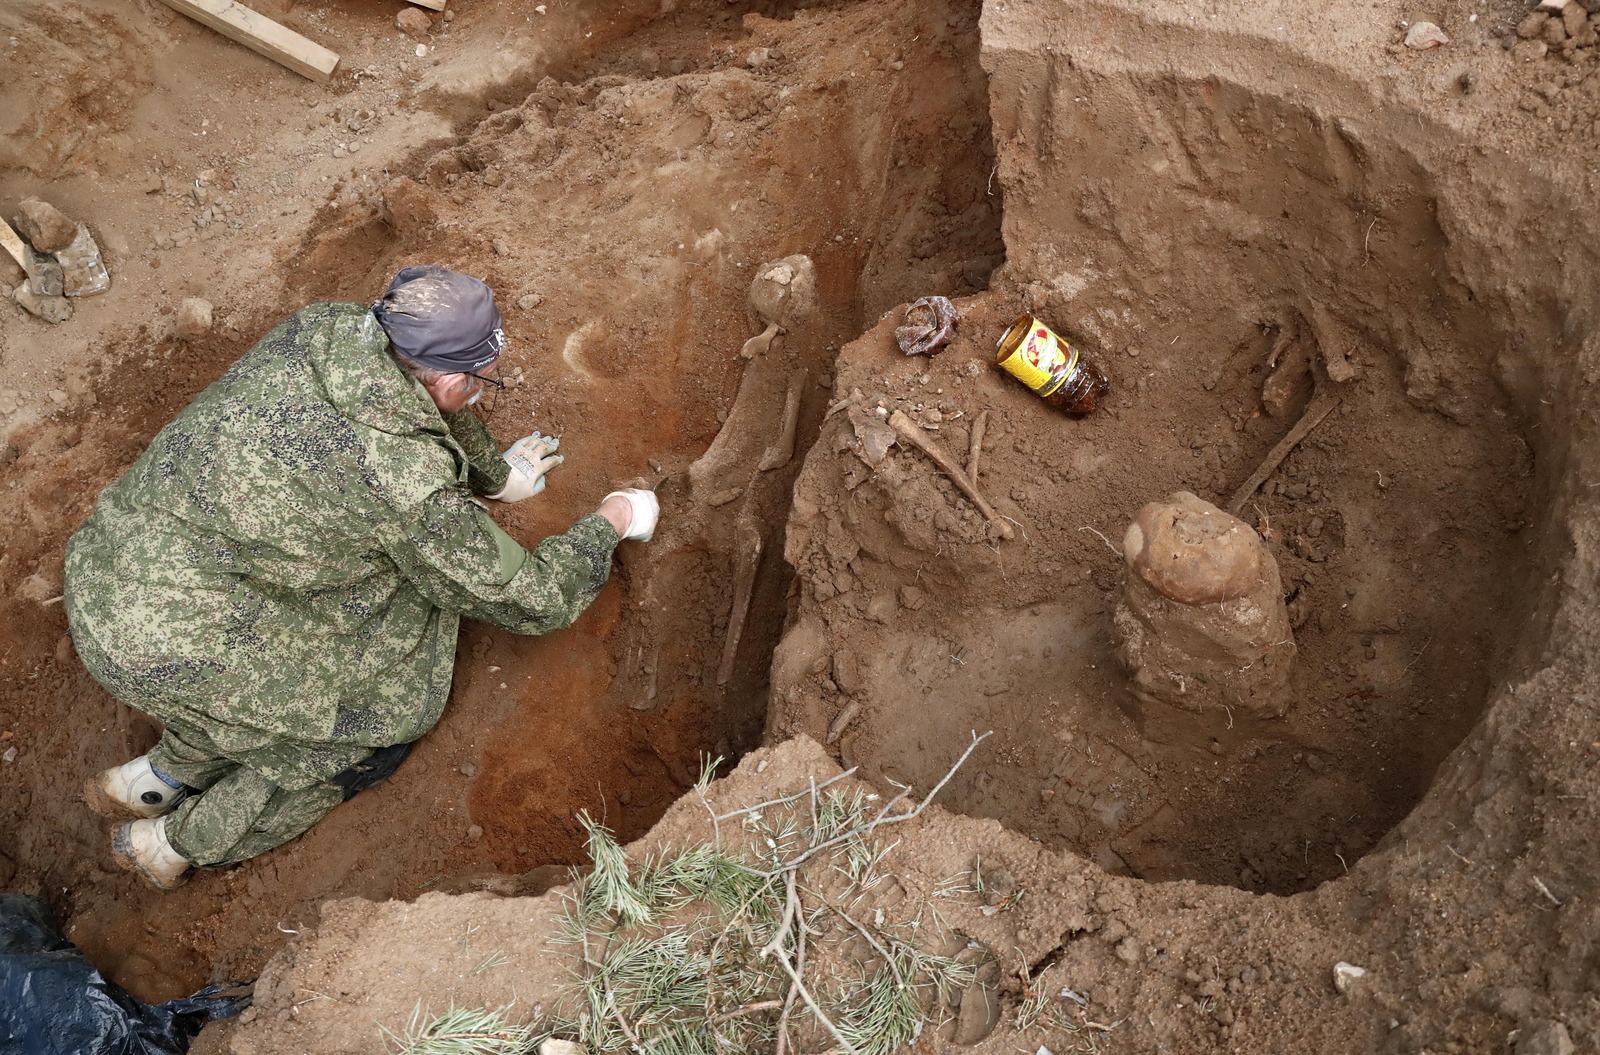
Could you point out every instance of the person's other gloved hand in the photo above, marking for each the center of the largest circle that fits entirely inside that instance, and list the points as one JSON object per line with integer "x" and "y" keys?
{"x": 646, "y": 512}
{"x": 530, "y": 458}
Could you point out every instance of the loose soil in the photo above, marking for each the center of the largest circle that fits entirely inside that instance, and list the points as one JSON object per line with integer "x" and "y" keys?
{"x": 1181, "y": 188}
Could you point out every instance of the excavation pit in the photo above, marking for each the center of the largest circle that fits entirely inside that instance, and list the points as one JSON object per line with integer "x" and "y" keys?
{"x": 1213, "y": 224}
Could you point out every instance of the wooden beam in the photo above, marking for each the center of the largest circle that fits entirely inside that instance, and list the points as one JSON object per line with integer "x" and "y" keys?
{"x": 13, "y": 245}
{"x": 261, "y": 35}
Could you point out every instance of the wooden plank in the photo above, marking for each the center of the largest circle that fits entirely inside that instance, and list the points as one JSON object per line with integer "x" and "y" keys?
{"x": 261, "y": 35}
{"x": 431, "y": 5}
{"x": 13, "y": 244}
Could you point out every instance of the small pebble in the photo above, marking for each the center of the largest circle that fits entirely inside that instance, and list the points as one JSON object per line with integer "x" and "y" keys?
{"x": 194, "y": 318}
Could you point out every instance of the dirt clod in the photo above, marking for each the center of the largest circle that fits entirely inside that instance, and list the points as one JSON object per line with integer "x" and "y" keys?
{"x": 193, "y": 318}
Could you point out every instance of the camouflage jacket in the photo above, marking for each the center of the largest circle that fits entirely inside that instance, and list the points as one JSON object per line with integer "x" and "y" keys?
{"x": 286, "y": 565}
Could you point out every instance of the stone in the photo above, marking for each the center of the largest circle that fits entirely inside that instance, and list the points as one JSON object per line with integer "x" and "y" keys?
{"x": 50, "y": 309}
{"x": 1544, "y": 1037}
{"x": 911, "y": 598}
{"x": 45, "y": 227}
{"x": 413, "y": 23}
{"x": 1201, "y": 624}
{"x": 529, "y": 301}
{"x": 1346, "y": 975}
{"x": 83, "y": 273}
{"x": 560, "y": 1047}
{"x": 44, "y": 274}
{"x": 1424, "y": 35}
{"x": 194, "y": 318}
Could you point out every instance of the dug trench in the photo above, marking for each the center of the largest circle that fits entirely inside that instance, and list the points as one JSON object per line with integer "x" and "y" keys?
{"x": 1186, "y": 227}
{"x": 621, "y": 214}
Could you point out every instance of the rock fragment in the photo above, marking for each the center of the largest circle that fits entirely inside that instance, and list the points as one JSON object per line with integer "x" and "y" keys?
{"x": 1424, "y": 35}
{"x": 413, "y": 23}
{"x": 83, "y": 273}
{"x": 1346, "y": 975}
{"x": 45, "y": 227}
{"x": 44, "y": 273}
{"x": 50, "y": 309}
{"x": 194, "y": 318}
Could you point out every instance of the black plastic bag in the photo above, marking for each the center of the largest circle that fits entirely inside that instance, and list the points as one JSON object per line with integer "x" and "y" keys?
{"x": 53, "y": 1001}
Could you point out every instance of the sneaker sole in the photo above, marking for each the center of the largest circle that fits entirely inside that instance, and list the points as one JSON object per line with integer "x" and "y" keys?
{"x": 123, "y": 857}
{"x": 96, "y": 798}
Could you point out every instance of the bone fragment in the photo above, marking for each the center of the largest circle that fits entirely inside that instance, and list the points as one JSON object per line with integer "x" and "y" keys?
{"x": 1334, "y": 343}
{"x": 975, "y": 447}
{"x": 1324, "y": 401}
{"x": 912, "y": 432}
{"x": 841, "y": 723}
{"x": 744, "y": 582}
{"x": 762, "y": 341}
{"x": 782, "y": 448}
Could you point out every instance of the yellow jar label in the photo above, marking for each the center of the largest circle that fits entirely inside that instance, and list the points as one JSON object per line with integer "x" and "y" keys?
{"x": 1042, "y": 361}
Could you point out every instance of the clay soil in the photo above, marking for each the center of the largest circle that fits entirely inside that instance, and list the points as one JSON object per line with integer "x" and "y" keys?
{"x": 1179, "y": 191}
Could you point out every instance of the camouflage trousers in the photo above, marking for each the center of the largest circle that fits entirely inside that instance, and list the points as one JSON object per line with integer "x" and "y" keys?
{"x": 239, "y": 812}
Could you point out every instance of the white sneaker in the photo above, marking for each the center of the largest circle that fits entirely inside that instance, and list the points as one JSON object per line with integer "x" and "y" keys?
{"x": 132, "y": 787}
{"x": 142, "y": 848}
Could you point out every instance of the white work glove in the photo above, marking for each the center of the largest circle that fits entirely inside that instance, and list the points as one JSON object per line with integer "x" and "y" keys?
{"x": 646, "y": 511}
{"x": 530, "y": 458}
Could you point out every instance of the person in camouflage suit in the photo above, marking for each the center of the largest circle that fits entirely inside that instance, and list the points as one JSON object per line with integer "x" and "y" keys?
{"x": 279, "y": 578}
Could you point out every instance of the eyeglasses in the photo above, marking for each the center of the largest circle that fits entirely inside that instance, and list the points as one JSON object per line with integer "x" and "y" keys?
{"x": 498, "y": 384}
